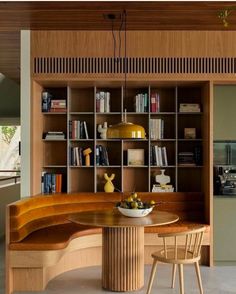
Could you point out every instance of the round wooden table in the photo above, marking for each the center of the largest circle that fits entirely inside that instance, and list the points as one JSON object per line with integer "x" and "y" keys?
{"x": 123, "y": 245}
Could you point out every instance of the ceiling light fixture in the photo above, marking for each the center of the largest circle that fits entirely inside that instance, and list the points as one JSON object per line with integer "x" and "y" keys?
{"x": 124, "y": 129}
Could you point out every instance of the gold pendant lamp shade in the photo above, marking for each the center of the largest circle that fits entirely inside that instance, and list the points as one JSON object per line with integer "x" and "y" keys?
{"x": 126, "y": 130}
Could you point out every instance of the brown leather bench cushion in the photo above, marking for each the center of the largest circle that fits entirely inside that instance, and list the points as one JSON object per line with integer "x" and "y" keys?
{"x": 59, "y": 236}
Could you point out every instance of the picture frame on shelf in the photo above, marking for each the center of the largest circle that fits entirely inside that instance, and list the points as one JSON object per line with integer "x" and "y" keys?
{"x": 189, "y": 133}
{"x": 135, "y": 157}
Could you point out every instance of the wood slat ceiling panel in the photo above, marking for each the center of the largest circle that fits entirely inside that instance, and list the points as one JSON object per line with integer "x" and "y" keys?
{"x": 73, "y": 15}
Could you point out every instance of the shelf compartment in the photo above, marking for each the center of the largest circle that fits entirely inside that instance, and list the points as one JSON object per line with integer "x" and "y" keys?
{"x": 135, "y": 145}
{"x": 100, "y": 171}
{"x": 54, "y": 124}
{"x": 81, "y": 179}
{"x": 111, "y": 120}
{"x": 190, "y": 94}
{"x": 166, "y": 98}
{"x": 82, "y": 99}
{"x": 52, "y": 169}
{"x": 190, "y": 179}
{"x": 84, "y": 145}
{"x": 189, "y": 121}
{"x": 135, "y": 179}
{"x": 55, "y": 153}
{"x": 129, "y": 97}
{"x": 115, "y": 97}
{"x": 89, "y": 119}
{"x": 113, "y": 151}
{"x": 169, "y": 171}
{"x": 170, "y": 151}
{"x": 168, "y": 125}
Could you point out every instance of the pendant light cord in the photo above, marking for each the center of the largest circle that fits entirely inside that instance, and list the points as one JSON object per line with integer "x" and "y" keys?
{"x": 125, "y": 56}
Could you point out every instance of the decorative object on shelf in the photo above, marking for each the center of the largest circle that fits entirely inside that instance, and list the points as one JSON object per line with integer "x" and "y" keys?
{"x": 102, "y": 129}
{"x": 189, "y": 107}
{"x": 135, "y": 157}
{"x": 162, "y": 181}
{"x": 125, "y": 130}
{"x": 134, "y": 207}
{"x": 109, "y": 187}
{"x": 86, "y": 153}
{"x": 189, "y": 133}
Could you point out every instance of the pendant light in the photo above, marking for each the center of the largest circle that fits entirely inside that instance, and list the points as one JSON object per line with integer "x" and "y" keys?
{"x": 124, "y": 129}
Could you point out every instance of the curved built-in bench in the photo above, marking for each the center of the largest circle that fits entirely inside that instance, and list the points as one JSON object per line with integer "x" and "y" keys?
{"x": 41, "y": 243}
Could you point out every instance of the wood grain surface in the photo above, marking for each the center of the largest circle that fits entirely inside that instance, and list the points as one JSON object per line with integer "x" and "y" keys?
{"x": 113, "y": 218}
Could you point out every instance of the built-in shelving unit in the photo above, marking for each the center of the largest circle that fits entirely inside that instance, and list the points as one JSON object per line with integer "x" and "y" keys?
{"x": 55, "y": 156}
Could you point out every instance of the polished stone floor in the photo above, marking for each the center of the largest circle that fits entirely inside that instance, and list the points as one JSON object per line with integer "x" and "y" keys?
{"x": 216, "y": 280}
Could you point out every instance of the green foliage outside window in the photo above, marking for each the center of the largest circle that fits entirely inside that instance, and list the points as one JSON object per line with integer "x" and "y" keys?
{"x": 8, "y": 133}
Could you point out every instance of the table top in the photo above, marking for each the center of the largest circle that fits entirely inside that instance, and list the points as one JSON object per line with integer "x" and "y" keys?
{"x": 113, "y": 218}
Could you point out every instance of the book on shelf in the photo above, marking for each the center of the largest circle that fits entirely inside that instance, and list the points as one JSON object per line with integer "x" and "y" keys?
{"x": 78, "y": 129}
{"x": 76, "y": 156}
{"x": 156, "y": 128}
{"x": 186, "y": 158}
{"x": 51, "y": 183}
{"x": 57, "y": 135}
{"x": 155, "y": 102}
{"x": 101, "y": 156}
{"x": 141, "y": 102}
{"x": 158, "y": 156}
{"x": 189, "y": 107}
{"x": 103, "y": 101}
{"x": 49, "y": 104}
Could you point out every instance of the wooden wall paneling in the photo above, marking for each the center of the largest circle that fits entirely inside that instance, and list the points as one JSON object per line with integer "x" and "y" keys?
{"x": 139, "y": 43}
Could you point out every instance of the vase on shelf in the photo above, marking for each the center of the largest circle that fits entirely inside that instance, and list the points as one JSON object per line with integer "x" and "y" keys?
{"x": 109, "y": 187}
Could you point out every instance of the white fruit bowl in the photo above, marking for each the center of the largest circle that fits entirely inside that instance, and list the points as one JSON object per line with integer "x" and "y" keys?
{"x": 135, "y": 212}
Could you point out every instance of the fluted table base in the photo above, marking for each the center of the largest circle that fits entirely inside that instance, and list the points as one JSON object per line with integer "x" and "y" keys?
{"x": 123, "y": 258}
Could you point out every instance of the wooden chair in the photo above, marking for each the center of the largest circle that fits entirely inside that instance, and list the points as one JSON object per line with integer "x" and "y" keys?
{"x": 185, "y": 249}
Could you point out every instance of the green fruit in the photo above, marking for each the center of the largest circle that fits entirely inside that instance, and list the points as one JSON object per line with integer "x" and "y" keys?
{"x": 134, "y": 205}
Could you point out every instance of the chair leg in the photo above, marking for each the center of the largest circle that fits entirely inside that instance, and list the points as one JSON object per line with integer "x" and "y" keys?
{"x": 181, "y": 278}
{"x": 198, "y": 276}
{"x": 173, "y": 275}
{"x": 154, "y": 266}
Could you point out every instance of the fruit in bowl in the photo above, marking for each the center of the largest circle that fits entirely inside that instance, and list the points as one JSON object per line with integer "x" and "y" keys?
{"x": 133, "y": 206}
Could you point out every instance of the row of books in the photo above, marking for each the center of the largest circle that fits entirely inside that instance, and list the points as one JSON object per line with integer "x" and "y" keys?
{"x": 103, "y": 101}
{"x": 76, "y": 156}
{"x": 51, "y": 183}
{"x": 155, "y": 102}
{"x": 156, "y": 128}
{"x": 78, "y": 129}
{"x": 49, "y": 104}
{"x": 101, "y": 156}
{"x": 158, "y": 156}
{"x": 141, "y": 102}
{"x": 191, "y": 158}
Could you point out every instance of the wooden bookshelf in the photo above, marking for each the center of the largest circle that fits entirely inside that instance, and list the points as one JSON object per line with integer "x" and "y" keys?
{"x": 81, "y": 106}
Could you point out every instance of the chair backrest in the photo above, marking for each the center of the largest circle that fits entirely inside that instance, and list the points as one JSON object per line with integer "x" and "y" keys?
{"x": 189, "y": 242}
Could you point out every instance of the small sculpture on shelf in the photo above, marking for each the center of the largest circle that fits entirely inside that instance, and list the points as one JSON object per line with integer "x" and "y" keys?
{"x": 86, "y": 153}
{"x": 162, "y": 181}
{"x": 102, "y": 129}
{"x": 109, "y": 187}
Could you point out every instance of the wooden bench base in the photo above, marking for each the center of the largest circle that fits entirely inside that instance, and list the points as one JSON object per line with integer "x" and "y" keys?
{"x": 42, "y": 266}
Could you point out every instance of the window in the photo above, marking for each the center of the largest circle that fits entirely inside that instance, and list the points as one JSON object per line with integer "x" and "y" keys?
{"x": 9, "y": 154}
